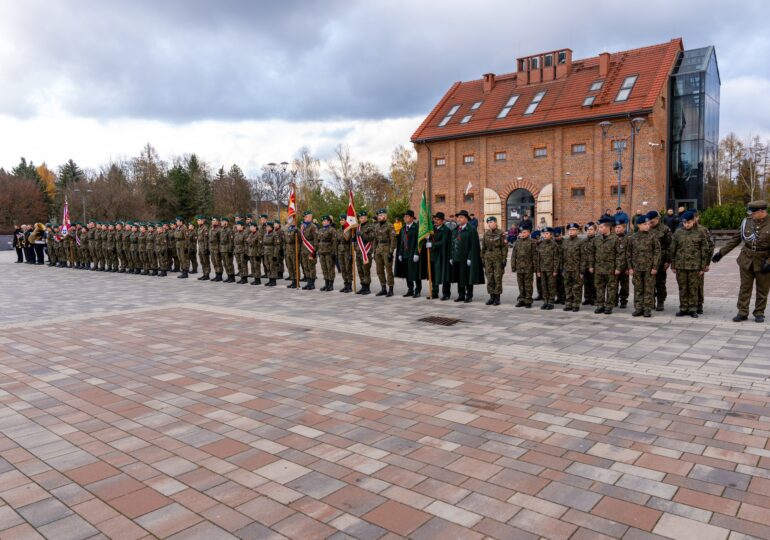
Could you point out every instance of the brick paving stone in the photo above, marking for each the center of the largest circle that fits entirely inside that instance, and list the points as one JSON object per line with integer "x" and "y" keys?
{"x": 567, "y": 495}
{"x": 72, "y": 527}
{"x": 397, "y": 517}
{"x": 168, "y": 520}
{"x": 678, "y": 527}
{"x": 634, "y": 515}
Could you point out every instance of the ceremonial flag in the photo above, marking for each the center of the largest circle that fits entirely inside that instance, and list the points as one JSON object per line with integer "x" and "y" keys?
{"x": 468, "y": 187}
{"x": 292, "y": 211}
{"x": 426, "y": 223}
{"x": 351, "y": 218}
{"x": 65, "y": 222}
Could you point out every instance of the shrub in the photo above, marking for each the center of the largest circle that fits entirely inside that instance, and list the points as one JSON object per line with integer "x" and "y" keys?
{"x": 728, "y": 216}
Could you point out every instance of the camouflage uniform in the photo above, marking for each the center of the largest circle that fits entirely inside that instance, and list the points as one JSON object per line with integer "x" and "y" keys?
{"x": 494, "y": 253}
{"x": 271, "y": 246}
{"x": 226, "y": 252}
{"x": 663, "y": 234}
{"x": 560, "y": 290}
{"x": 49, "y": 241}
{"x": 366, "y": 232}
{"x": 126, "y": 239}
{"x": 136, "y": 264}
{"x": 547, "y": 264}
{"x": 90, "y": 247}
{"x": 621, "y": 297}
{"x": 253, "y": 241}
{"x": 345, "y": 257}
{"x": 152, "y": 255}
{"x": 216, "y": 256}
{"x": 308, "y": 257}
{"x": 589, "y": 285}
{"x": 192, "y": 253}
{"x": 204, "y": 255}
{"x": 383, "y": 246}
{"x": 327, "y": 250}
{"x": 523, "y": 257}
{"x": 642, "y": 256}
{"x": 182, "y": 245}
{"x": 290, "y": 237}
{"x": 573, "y": 266}
{"x": 607, "y": 259}
{"x": 689, "y": 257}
{"x": 239, "y": 252}
{"x": 161, "y": 250}
{"x": 141, "y": 248}
{"x": 710, "y": 241}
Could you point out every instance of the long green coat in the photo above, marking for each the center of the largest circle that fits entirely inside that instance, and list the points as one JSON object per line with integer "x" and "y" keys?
{"x": 406, "y": 249}
{"x": 440, "y": 255}
{"x": 465, "y": 247}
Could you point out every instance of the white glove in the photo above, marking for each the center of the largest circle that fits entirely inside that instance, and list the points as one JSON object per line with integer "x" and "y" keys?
{"x": 416, "y": 258}
{"x": 469, "y": 262}
{"x": 429, "y": 244}
{"x": 450, "y": 261}
{"x": 399, "y": 258}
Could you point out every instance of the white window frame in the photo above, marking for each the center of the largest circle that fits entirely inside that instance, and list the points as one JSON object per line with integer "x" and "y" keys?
{"x": 596, "y": 86}
{"x": 532, "y": 107}
{"x": 508, "y": 106}
{"x": 449, "y": 116}
{"x": 588, "y": 101}
{"x": 469, "y": 159}
{"x": 625, "y": 89}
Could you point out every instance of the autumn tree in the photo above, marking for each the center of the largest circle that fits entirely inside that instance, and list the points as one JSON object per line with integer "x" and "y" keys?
{"x": 21, "y": 201}
{"x": 48, "y": 179}
{"x": 342, "y": 168}
{"x": 231, "y": 191}
{"x": 403, "y": 173}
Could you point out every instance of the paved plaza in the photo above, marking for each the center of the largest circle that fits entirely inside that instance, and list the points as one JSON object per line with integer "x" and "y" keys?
{"x": 140, "y": 407}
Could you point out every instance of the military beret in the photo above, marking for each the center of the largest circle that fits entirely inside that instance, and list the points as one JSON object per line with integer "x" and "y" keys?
{"x": 642, "y": 219}
{"x": 238, "y": 222}
{"x": 557, "y": 230}
{"x": 590, "y": 224}
{"x": 572, "y": 226}
{"x": 249, "y": 215}
{"x": 343, "y": 217}
{"x": 409, "y": 213}
{"x": 200, "y": 216}
{"x": 621, "y": 221}
{"x": 548, "y": 229}
{"x": 307, "y": 213}
{"x": 363, "y": 213}
{"x": 652, "y": 214}
{"x": 755, "y": 206}
{"x": 254, "y": 224}
{"x": 491, "y": 218}
{"x": 536, "y": 235}
{"x": 689, "y": 215}
{"x": 525, "y": 227}
{"x": 263, "y": 216}
{"x": 326, "y": 218}
{"x": 382, "y": 211}
{"x": 225, "y": 218}
{"x": 606, "y": 220}
{"x": 269, "y": 223}
{"x": 214, "y": 218}
{"x": 47, "y": 224}
{"x": 179, "y": 218}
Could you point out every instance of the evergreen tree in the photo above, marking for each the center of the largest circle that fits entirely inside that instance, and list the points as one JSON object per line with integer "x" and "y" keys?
{"x": 184, "y": 191}
{"x": 69, "y": 175}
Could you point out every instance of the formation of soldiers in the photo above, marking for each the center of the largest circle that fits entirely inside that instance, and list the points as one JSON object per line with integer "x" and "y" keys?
{"x": 594, "y": 270}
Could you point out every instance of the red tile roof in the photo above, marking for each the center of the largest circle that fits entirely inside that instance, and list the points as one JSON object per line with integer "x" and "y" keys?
{"x": 563, "y": 101}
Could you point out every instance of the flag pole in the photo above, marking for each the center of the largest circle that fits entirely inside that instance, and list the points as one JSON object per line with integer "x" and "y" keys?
{"x": 296, "y": 239}
{"x": 353, "y": 260}
{"x": 430, "y": 279}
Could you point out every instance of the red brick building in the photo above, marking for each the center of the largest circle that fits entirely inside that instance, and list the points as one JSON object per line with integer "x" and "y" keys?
{"x": 531, "y": 140}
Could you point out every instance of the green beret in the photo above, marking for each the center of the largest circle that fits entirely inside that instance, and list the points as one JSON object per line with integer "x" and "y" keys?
{"x": 238, "y": 222}
{"x": 254, "y": 224}
{"x": 326, "y": 218}
{"x": 491, "y": 218}
{"x": 307, "y": 213}
{"x": 363, "y": 213}
{"x": 269, "y": 223}
{"x": 249, "y": 215}
{"x": 179, "y": 218}
{"x": 225, "y": 218}
{"x": 199, "y": 216}
{"x": 382, "y": 211}
{"x": 263, "y": 216}
{"x": 47, "y": 224}
{"x": 343, "y": 216}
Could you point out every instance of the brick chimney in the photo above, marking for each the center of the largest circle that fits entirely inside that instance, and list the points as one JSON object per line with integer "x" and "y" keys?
{"x": 563, "y": 63}
{"x": 604, "y": 64}
{"x": 489, "y": 82}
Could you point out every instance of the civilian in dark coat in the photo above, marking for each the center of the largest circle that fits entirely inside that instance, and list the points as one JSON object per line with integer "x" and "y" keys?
{"x": 18, "y": 243}
{"x": 440, "y": 246}
{"x": 467, "y": 269}
{"x": 409, "y": 261}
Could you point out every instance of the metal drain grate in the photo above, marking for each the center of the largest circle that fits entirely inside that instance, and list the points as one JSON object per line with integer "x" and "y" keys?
{"x": 480, "y": 404}
{"x": 440, "y": 321}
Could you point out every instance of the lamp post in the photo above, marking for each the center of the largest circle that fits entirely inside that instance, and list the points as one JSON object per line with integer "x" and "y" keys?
{"x": 83, "y": 198}
{"x": 618, "y": 165}
{"x": 636, "y": 126}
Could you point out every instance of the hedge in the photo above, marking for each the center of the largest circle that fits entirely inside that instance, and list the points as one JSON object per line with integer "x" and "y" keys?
{"x": 728, "y": 216}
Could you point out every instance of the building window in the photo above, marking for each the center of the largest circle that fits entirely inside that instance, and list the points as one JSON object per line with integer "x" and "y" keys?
{"x": 501, "y": 156}
{"x": 440, "y": 199}
{"x": 579, "y": 148}
{"x": 596, "y": 86}
{"x": 588, "y": 101}
{"x": 468, "y": 197}
{"x": 548, "y": 60}
{"x": 614, "y": 190}
{"x": 578, "y": 192}
{"x": 466, "y": 119}
{"x": 449, "y": 115}
{"x": 508, "y": 106}
{"x": 562, "y": 57}
{"x": 535, "y": 63}
{"x": 440, "y": 161}
{"x": 469, "y": 159}
{"x": 618, "y": 143}
{"x": 625, "y": 88}
{"x": 476, "y": 105}
{"x": 541, "y": 152}
{"x": 535, "y": 102}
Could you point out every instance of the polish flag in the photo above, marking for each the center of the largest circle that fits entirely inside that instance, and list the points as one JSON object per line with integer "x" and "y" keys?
{"x": 292, "y": 211}
{"x": 65, "y": 221}
{"x": 351, "y": 218}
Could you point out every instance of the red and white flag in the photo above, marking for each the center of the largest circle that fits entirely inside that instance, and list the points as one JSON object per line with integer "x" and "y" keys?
{"x": 292, "y": 211}
{"x": 351, "y": 218}
{"x": 65, "y": 221}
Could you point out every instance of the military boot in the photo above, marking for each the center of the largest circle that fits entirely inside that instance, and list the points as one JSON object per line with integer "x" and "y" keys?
{"x": 292, "y": 285}
{"x": 230, "y": 279}
{"x": 638, "y": 312}
{"x": 326, "y": 286}
{"x": 383, "y": 291}
{"x": 217, "y": 277}
{"x": 183, "y": 275}
{"x": 204, "y": 277}
{"x": 367, "y": 289}
{"x": 162, "y": 273}
{"x": 390, "y": 292}
{"x": 243, "y": 280}
{"x": 329, "y": 285}
{"x": 348, "y": 287}
{"x": 659, "y": 306}
{"x": 155, "y": 272}
{"x": 491, "y": 300}
{"x": 344, "y": 287}
{"x": 497, "y": 300}
{"x": 310, "y": 284}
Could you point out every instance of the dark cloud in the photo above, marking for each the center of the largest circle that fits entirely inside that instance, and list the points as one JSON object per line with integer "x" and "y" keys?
{"x": 182, "y": 61}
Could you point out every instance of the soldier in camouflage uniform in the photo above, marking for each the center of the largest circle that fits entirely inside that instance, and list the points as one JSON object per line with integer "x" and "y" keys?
{"x": 49, "y": 241}
{"x": 605, "y": 264}
{"x": 204, "y": 255}
{"x": 99, "y": 262}
{"x": 253, "y": 240}
{"x": 494, "y": 253}
{"x": 111, "y": 258}
{"x": 239, "y": 251}
{"x": 281, "y": 256}
{"x": 383, "y": 247}
{"x": 345, "y": 254}
{"x": 141, "y": 248}
{"x": 290, "y": 239}
{"x": 120, "y": 262}
{"x": 663, "y": 234}
{"x": 152, "y": 248}
{"x": 689, "y": 258}
{"x": 589, "y": 248}
{"x": 327, "y": 252}
{"x": 133, "y": 239}
{"x": 621, "y": 298}
{"x": 643, "y": 260}
{"x": 710, "y": 242}
{"x": 572, "y": 268}
{"x": 126, "y": 239}
{"x": 523, "y": 257}
{"x": 192, "y": 253}
{"x": 308, "y": 248}
{"x": 271, "y": 246}
{"x": 216, "y": 256}
{"x": 547, "y": 264}
{"x": 561, "y": 294}
{"x": 182, "y": 247}
{"x": 365, "y": 231}
{"x": 262, "y": 268}
{"x": 226, "y": 249}
{"x": 161, "y": 249}
{"x": 90, "y": 246}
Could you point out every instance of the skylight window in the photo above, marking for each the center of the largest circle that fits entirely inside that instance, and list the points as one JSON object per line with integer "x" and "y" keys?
{"x": 508, "y": 106}
{"x": 449, "y": 115}
{"x": 466, "y": 119}
{"x": 588, "y": 101}
{"x": 476, "y": 105}
{"x": 596, "y": 86}
{"x": 535, "y": 102}
{"x": 626, "y": 87}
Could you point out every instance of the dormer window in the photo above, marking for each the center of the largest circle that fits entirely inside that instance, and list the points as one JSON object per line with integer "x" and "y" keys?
{"x": 588, "y": 101}
{"x": 449, "y": 115}
{"x": 476, "y": 105}
{"x": 561, "y": 58}
{"x": 534, "y": 63}
{"x": 626, "y": 87}
{"x": 548, "y": 60}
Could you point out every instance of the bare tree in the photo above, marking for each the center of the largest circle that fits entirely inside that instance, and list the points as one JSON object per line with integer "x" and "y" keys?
{"x": 277, "y": 181}
{"x": 375, "y": 187}
{"x": 260, "y": 192}
{"x": 403, "y": 171}
{"x": 749, "y": 174}
{"x": 342, "y": 168}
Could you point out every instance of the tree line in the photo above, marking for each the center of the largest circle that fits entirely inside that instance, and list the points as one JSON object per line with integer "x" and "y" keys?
{"x": 146, "y": 187}
{"x": 744, "y": 165}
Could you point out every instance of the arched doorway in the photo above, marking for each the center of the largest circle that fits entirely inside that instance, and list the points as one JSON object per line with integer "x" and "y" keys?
{"x": 519, "y": 202}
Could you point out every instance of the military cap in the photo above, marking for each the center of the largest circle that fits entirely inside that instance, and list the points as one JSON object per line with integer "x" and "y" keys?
{"x": 179, "y": 218}
{"x": 343, "y": 217}
{"x": 409, "y": 213}
{"x": 590, "y": 224}
{"x": 225, "y": 218}
{"x": 47, "y": 225}
{"x": 548, "y": 229}
{"x": 644, "y": 218}
{"x": 269, "y": 223}
{"x": 689, "y": 215}
{"x": 214, "y": 218}
{"x": 491, "y": 219}
{"x": 754, "y": 206}
{"x": 307, "y": 213}
{"x": 439, "y": 215}
{"x": 327, "y": 217}
{"x": 200, "y": 216}
{"x": 263, "y": 216}
{"x": 363, "y": 213}
{"x": 525, "y": 227}
{"x": 239, "y": 222}
{"x": 621, "y": 221}
{"x": 463, "y": 213}
{"x": 606, "y": 220}
{"x": 557, "y": 230}
{"x": 382, "y": 211}
{"x": 249, "y": 215}
{"x": 652, "y": 214}
{"x": 573, "y": 226}
{"x": 535, "y": 235}
{"x": 253, "y": 224}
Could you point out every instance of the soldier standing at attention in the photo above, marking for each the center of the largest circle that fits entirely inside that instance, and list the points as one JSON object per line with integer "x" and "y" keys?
{"x": 558, "y": 239}
{"x": 523, "y": 265}
{"x": 548, "y": 262}
{"x": 753, "y": 261}
{"x": 173, "y": 255}
{"x": 127, "y": 262}
{"x": 465, "y": 258}
{"x": 144, "y": 262}
{"x": 408, "y": 265}
{"x": 689, "y": 258}
{"x": 226, "y": 249}
{"x": 270, "y": 248}
{"x": 605, "y": 266}
{"x": 50, "y": 245}
{"x": 253, "y": 242}
{"x": 308, "y": 249}
{"x": 192, "y": 254}
{"x": 133, "y": 249}
{"x": 290, "y": 238}
{"x": 327, "y": 251}
{"x": 494, "y": 253}
{"x": 643, "y": 260}
{"x": 239, "y": 251}
{"x": 440, "y": 244}
{"x": 538, "y": 239}
{"x": 384, "y": 245}
{"x": 663, "y": 234}
{"x": 152, "y": 254}
{"x": 621, "y": 224}
{"x": 344, "y": 255}
{"x": 710, "y": 242}
{"x": 90, "y": 245}
{"x": 204, "y": 255}
{"x": 572, "y": 268}
{"x": 589, "y": 249}
{"x": 262, "y": 270}
{"x": 365, "y": 232}
{"x": 216, "y": 256}
{"x": 161, "y": 249}
{"x": 119, "y": 257}
{"x": 182, "y": 247}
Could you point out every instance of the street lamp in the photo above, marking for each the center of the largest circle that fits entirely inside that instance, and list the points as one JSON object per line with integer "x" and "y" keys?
{"x": 636, "y": 127}
{"x": 83, "y": 198}
{"x": 618, "y": 165}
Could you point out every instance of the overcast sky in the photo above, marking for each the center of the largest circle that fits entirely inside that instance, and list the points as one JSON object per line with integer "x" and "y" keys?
{"x": 250, "y": 82}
